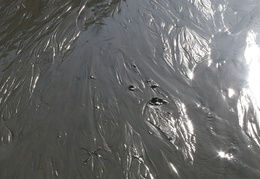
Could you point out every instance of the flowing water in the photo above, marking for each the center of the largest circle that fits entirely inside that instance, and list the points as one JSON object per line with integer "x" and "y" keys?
{"x": 155, "y": 89}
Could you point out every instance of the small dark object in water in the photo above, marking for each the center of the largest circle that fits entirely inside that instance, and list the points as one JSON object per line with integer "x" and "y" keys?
{"x": 152, "y": 83}
{"x": 133, "y": 65}
{"x": 157, "y": 101}
{"x": 131, "y": 87}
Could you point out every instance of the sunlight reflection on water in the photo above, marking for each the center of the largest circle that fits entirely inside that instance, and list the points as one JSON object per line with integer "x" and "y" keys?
{"x": 223, "y": 154}
{"x": 252, "y": 56}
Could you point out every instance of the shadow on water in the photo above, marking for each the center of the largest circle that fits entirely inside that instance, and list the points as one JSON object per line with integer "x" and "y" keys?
{"x": 128, "y": 89}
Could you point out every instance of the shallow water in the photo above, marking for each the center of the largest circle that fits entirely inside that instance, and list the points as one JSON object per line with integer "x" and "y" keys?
{"x": 130, "y": 89}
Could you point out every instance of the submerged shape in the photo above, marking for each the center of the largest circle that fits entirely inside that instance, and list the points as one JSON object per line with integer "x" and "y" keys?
{"x": 177, "y": 128}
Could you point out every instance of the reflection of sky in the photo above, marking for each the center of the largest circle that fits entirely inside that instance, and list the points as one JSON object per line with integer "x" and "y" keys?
{"x": 252, "y": 56}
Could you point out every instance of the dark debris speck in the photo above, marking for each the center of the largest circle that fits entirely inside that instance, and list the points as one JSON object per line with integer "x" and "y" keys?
{"x": 157, "y": 101}
{"x": 131, "y": 87}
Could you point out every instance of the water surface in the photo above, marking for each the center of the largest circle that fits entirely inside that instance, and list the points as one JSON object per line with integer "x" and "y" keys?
{"x": 129, "y": 89}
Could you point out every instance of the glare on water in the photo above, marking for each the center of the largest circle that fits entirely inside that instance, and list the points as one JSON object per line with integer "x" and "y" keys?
{"x": 252, "y": 56}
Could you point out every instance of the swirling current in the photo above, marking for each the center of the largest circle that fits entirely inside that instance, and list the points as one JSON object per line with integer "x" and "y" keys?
{"x": 120, "y": 89}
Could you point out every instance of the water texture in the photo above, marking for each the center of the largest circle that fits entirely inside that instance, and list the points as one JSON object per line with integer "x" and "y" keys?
{"x": 155, "y": 89}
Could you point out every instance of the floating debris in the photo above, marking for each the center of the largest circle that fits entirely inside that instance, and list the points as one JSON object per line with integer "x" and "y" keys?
{"x": 157, "y": 101}
{"x": 152, "y": 83}
{"x": 133, "y": 65}
{"x": 97, "y": 107}
{"x": 131, "y": 87}
{"x": 210, "y": 115}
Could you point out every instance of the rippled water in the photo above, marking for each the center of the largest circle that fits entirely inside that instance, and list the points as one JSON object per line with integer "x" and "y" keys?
{"x": 130, "y": 89}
